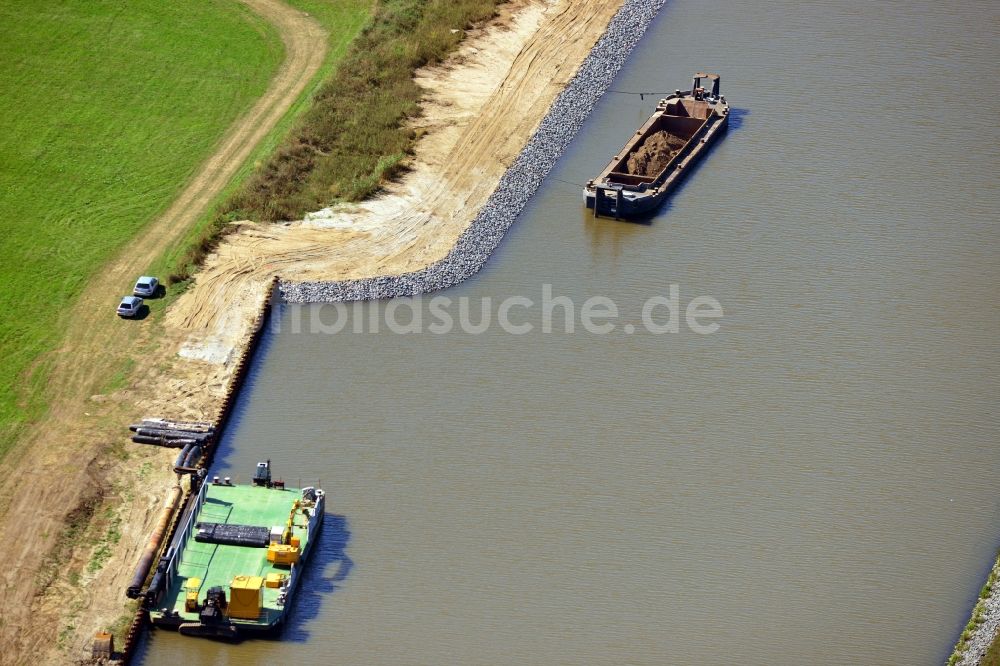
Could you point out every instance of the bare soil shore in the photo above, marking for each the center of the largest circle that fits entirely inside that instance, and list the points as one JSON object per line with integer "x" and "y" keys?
{"x": 74, "y": 474}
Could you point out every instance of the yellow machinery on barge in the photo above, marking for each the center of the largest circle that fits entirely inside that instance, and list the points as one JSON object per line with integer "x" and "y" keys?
{"x": 236, "y": 558}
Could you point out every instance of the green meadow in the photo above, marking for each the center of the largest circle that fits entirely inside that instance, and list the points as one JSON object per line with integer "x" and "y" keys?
{"x": 106, "y": 109}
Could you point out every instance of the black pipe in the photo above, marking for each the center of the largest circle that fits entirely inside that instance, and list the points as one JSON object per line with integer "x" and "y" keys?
{"x": 162, "y": 441}
{"x": 156, "y": 583}
{"x": 182, "y": 456}
{"x": 173, "y": 434}
{"x": 192, "y": 457}
{"x": 170, "y": 425}
{"x": 164, "y": 424}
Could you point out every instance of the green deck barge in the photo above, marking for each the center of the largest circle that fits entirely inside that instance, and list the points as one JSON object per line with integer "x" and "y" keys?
{"x": 191, "y": 564}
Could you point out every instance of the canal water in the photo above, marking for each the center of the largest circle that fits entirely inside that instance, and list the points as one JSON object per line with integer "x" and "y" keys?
{"x": 814, "y": 482}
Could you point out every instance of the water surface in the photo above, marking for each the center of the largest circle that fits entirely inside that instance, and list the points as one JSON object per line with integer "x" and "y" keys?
{"x": 814, "y": 483}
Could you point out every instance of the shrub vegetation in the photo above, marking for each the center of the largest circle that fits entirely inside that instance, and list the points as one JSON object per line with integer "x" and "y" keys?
{"x": 353, "y": 136}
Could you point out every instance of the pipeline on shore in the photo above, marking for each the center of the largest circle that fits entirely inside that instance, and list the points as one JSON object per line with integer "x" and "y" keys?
{"x": 154, "y": 543}
{"x": 198, "y": 447}
{"x": 173, "y": 434}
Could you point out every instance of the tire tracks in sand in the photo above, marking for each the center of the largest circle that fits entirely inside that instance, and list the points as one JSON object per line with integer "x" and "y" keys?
{"x": 51, "y": 469}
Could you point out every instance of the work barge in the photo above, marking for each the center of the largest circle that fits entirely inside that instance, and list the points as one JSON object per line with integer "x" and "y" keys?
{"x": 654, "y": 161}
{"x": 236, "y": 558}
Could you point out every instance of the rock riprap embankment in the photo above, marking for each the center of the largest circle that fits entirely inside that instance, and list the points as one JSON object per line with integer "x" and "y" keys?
{"x": 518, "y": 183}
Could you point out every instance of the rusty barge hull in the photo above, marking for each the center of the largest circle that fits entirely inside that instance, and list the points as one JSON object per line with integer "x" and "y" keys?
{"x": 628, "y": 188}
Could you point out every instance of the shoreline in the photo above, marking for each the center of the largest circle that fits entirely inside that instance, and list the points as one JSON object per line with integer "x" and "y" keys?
{"x": 518, "y": 184}
{"x": 983, "y": 626}
{"x": 483, "y": 235}
{"x": 197, "y": 386}
{"x": 90, "y": 509}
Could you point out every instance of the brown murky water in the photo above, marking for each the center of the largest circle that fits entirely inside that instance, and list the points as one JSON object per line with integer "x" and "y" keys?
{"x": 813, "y": 483}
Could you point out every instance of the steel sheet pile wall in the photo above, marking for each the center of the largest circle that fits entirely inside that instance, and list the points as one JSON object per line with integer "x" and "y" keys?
{"x": 207, "y": 453}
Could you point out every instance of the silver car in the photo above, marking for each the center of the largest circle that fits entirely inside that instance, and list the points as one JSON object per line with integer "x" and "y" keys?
{"x": 146, "y": 286}
{"x": 129, "y": 307}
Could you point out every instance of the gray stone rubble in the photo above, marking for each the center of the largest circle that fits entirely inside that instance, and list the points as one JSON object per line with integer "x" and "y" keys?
{"x": 517, "y": 185}
{"x": 984, "y": 633}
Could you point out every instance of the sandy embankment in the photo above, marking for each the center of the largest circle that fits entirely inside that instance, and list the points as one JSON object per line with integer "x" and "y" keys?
{"x": 481, "y": 108}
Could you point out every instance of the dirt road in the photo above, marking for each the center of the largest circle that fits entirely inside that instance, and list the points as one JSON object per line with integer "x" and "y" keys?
{"x": 481, "y": 108}
{"x": 57, "y": 458}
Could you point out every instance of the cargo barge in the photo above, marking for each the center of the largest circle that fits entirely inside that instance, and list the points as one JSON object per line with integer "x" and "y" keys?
{"x": 655, "y": 159}
{"x": 236, "y": 559}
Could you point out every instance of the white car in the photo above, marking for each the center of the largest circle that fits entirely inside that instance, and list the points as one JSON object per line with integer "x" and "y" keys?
{"x": 129, "y": 307}
{"x": 146, "y": 286}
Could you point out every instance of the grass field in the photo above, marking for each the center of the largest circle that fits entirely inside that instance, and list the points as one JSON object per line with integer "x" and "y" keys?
{"x": 106, "y": 108}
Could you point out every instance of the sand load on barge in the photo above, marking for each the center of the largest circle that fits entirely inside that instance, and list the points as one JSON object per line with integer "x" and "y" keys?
{"x": 654, "y": 154}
